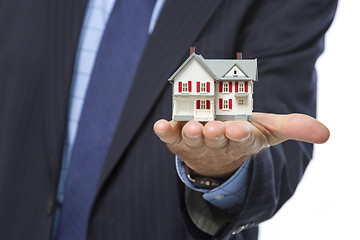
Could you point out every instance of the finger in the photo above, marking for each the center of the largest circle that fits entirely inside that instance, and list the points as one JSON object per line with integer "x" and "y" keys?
{"x": 238, "y": 131}
{"x": 244, "y": 138}
{"x": 279, "y": 128}
{"x": 192, "y": 134}
{"x": 214, "y": 135}
{"x": 168, "y": 132}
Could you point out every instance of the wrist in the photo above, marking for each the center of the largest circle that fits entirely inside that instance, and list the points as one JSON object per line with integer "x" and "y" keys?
{"x": 204, "y": 182}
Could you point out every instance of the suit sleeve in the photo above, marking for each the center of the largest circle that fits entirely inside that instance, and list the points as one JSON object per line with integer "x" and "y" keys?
{"x": 287, "y": 37}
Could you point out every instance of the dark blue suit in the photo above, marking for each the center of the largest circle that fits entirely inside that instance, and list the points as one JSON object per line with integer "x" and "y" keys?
{"x": 139, "y": 194}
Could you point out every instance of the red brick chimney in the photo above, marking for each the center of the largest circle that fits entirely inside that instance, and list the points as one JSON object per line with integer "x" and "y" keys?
{"x": 192, "y": 50}
{"x": 239, "y": 55}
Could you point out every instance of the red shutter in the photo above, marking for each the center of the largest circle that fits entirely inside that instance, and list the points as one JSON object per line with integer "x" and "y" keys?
{"x": 198, "y": 86}
{"x": 220, "y": 103}
{"x": 221, "y": 87}
{"x": 208, "y": 86}
{"x": 246, "y": 86}
{"x": 180, "y": 87}
{"x": 207, "y": 104}
{"x": 189, "y": 86}
{"x": 236, "y": 87}
{"x": 230, "y": 86}
{"x": 198, "y": 104}
{"x": 230, "y": 103}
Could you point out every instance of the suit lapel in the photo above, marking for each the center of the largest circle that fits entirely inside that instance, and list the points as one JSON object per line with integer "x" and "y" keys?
{"x": 180, "y": 22}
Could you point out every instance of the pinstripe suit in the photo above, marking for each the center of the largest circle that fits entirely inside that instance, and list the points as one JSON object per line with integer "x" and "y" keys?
{"x": 139, "y": 195}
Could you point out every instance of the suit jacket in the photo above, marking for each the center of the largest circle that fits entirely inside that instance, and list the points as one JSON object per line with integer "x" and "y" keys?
{"x": 139, "y": 195}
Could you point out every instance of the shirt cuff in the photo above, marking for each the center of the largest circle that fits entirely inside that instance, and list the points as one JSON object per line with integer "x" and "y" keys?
{"x": 228, "y": 196}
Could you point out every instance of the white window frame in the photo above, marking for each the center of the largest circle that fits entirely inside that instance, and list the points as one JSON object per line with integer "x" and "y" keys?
{"x": 241, "y": 87}
{"x": 203, "y": 87}
{"x": 185, "y": 87}
{"x": 225, "y": 87}
{"x": 225, "y": 104}
{"x": 202, "y": 104}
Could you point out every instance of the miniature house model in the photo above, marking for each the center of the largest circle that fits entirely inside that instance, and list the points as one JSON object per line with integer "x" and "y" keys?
{"x": 213, "y": 89}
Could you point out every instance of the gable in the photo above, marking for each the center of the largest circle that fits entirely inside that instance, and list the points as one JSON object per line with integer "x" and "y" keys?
{"x": 235, "y": 72}
{"x": 194, "y": 70}
{"x": 190, "y": 59}
{"x": 222, "y": 68}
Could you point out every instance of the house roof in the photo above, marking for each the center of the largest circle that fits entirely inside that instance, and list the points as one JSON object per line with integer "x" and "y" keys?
{"x": 219, "y": 67}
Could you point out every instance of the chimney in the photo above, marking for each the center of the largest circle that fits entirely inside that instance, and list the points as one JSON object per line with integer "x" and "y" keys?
{"x": 192, "y": 50}
{"x": 239, "y": 55}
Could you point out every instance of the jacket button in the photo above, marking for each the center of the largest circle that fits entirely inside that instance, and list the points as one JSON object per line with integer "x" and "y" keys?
{"x": 50, "y": 206}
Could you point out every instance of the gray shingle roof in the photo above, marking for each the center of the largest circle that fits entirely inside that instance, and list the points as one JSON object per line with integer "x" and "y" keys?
{"x": 219, "y": 67}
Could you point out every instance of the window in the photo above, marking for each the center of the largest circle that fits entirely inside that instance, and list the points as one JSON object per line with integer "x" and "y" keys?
{"x": 241, "y": 101}
{"x": 202, "y": 87}
{"x": 202, "y": 104}
{"x": 225, "y": 87}
{"x": 235, "y": 72}
{"x": 241, "y": 87}
{"x": 226, "y": 104}
{"x": 185, "y": 87}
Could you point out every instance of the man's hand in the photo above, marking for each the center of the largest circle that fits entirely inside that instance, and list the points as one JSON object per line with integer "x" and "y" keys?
{"x": 220, "y": 148}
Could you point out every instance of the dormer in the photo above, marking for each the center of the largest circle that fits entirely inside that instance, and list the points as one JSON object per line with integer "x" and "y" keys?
{"x": 235, "y": 72}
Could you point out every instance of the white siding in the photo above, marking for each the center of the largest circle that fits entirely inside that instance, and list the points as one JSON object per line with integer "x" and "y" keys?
{"x": 183, "y": 106}
{"x": 236, "y": 108}
{"x": 193, "y": 72}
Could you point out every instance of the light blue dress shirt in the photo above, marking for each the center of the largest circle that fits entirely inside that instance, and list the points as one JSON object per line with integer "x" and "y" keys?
{"x": 97, "y": 15}
{"x": 228, "y": 195}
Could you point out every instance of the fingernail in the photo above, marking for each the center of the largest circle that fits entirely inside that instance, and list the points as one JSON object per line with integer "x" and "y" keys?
{"x": 243, "y": 139}
{"x": 246, "y": 138}
{"x": 222, "y": 137}
{"x": 192, "y": 137}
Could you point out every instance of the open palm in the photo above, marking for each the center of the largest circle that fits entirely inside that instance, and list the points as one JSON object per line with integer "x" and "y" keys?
{"x": 220, "y": 148}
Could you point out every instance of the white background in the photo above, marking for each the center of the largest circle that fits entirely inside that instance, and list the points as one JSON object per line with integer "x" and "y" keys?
{"x": 326, "y": 204}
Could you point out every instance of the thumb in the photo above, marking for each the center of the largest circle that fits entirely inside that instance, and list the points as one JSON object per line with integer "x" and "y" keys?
{"x": 279, "y": 128}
